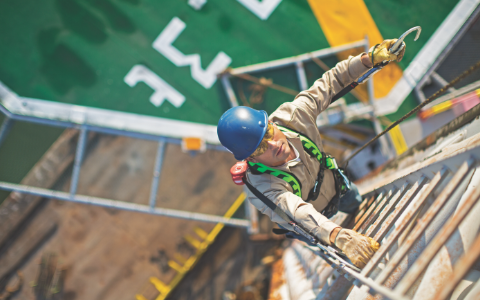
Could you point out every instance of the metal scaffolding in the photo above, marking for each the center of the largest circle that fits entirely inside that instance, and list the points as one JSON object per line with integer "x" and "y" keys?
{"x": 84, "y": 129}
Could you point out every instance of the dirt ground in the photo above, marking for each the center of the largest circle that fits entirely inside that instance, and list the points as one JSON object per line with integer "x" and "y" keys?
{"x": 110, "y": 254}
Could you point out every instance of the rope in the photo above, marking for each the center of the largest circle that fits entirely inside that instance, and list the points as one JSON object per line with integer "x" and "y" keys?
{"x": 416, "y": 109}
{"x": 266, "y": 83}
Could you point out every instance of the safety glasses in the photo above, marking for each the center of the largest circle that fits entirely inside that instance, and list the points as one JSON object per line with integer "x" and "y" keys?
{"x": 264, "y": 143}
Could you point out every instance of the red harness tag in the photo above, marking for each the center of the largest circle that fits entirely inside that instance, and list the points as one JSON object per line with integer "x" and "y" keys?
{"x": 238, "y": 172}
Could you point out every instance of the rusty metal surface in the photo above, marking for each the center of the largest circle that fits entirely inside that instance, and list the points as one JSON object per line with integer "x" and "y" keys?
{"x": 337, "y": 290}
{"x": 432, "y": 249}
{"x": 278, "y": 285}
{"x": 402, "y": 261}
{"x": 298, "y": 283}
{"x": 463, "y": 266}
{"x": 377, "y": 201}
{"x": 440, "y": 268}
{"x": 131, "y": 247}
{"x": 319, "y": 269}
{"x": 399, "y": 210}
{"x": 373, "y": 216}
{"x": 425, "y": 221}
{"x": 442, "y": 265}
{"x": 372, "y": 230}
{"x": 380, "y": 254}
{"x": 363, "y": 208}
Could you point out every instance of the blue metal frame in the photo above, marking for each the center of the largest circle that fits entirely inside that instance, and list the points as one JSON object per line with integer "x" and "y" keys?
{"x": 82, "y": 141}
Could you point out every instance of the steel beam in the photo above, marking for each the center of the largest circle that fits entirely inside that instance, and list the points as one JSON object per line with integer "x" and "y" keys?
{"x": 440, "y": 239}
{"x": 299, "y": 58}
{"x": 5, "y": 129}
{"x": 82, "y": 141}
{"x": 425, "y": 221}
{"x": 403, "y": 205}
{"x": 452, "y": 161}
{"x": 372, "y": 230}
{"x": 373, "y": 215}
{"x": 362, "y": 209}
{"x": 302, "y": 77}
{"x": 463, "y": 266}
{"x": 442, "y": 266}
{"x": 156, "y": 173}
{"x": 374, "y": 286}
{"x": 351, "y": 274}
{"x": 105, "y": 130}
{"x": 229, "y": 90}
{"x": 379, "y": 199}
{"x": 123, "y": 205}
{"x": 395, "y": 215}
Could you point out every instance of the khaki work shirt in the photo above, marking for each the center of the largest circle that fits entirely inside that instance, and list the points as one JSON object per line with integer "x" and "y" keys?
{"x": 300, "y": 115}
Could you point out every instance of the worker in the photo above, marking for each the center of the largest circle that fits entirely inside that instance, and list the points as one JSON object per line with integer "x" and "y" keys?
{"x": 286, "y": 162}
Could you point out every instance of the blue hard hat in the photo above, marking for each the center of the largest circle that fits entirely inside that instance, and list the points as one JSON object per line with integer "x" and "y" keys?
{"x": 241, "y": 129}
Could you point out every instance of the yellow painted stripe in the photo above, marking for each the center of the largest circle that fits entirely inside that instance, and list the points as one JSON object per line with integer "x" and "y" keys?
{"x": 395, "y": 135}
{"x": 202, "y": 247}
{"x": 159, "y": 285}
{"x": 195, "y": 243}
{"x": 174, "y": 265}
{"x": 216, "y": 230}
{"x": 398, "y": 140}
{"x": 140, "y": 297}
{"x": 180, "y": 258}
{"x": 201, "y": 233}
{"x": 346, "y": 21}
{"x": 442, "y": 107}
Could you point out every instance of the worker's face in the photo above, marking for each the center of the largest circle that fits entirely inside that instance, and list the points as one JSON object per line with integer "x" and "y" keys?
{"x": 274, "y": 148}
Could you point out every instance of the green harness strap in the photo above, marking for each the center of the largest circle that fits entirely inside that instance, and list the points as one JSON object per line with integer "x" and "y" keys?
{"x": 258, "y": 168}
{"x": 310, "y": 147}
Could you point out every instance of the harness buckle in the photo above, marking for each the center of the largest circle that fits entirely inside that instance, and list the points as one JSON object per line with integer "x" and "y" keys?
{"x": 345, "y": 179}
{"x": 315, "y": 186}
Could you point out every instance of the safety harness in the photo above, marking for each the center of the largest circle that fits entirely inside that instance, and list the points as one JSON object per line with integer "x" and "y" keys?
{"x": 326, "y": 162}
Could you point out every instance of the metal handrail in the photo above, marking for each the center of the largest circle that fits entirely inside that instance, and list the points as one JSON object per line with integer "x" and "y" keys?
{"x": 84, "y": 128}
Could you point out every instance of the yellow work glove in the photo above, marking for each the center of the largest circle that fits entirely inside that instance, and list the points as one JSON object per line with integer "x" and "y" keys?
{"x": 381, "y": 52}
{"x": 357, "y": 247}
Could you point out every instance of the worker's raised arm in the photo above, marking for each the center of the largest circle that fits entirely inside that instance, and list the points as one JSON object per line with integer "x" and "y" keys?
{"x": 318, "y": 97}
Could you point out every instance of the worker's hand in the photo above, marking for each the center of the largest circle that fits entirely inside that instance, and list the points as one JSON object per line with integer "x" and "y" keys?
{"x": 358, "y": 248}
{"x": 381, "y": 52}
